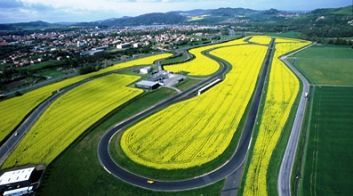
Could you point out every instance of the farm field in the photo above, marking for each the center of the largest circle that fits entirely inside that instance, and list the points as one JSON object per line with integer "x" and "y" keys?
{"x": 288, "y": 40}
{"x": 13, "y": 110}
{"x": 69, "y": 116}
{"x": 290, "y": 34}
{"x": 323, "y": 161}
{"x": 180, "y": 58}
{"x": 328, "y": 158}
{"x": 65, "y": 175}
{"x": 201, "y": 65}
{"x": 261, "y": 39}
{"x": 189, "y": 134}
{"x": 283, "y": 88}
{"x": 326, "y": 64}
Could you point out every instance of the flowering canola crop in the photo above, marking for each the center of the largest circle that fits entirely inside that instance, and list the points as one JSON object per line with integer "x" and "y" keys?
{"x": 261, "y": 39}
{"x": 13, "y": 110}
{"x": 281, "y": 94}
{"x": 69, "y": 116}
{"x": 201, "y": 65}
{"x": 198, "y": 130}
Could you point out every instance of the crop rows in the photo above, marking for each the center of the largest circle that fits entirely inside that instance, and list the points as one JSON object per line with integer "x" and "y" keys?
{"x": 201, "y": 65}
{"x": 70, "y": 116}
{"x": 198, "y": 130}
{"x": 261, "y": 40}
{"x": 12, "y": 111}
{"x": 281, "y": 94}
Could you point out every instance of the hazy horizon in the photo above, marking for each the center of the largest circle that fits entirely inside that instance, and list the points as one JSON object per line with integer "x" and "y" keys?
{"x": 12, "y": 11}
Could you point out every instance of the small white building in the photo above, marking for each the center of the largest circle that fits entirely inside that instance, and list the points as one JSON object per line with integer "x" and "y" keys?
{"x": 19, "y": 191}
{"x": 16, "y": 176}
{"x": 145, "y": 70}
{"x": 21, "y": 181}
{"x": 123, "y": 46}
{"x": 145, "y": 84}
{"x": 135, "y": 45}
{"x": 172, "y": 79}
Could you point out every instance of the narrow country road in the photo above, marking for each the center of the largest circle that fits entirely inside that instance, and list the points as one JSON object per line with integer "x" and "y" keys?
{"x": 285, "y": 173}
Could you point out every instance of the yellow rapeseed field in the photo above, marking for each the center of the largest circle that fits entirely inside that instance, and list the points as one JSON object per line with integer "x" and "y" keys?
{"x": 198, "y": 130}
{"x": 12, "y": 111}
{"x": 288, "y": 40}
{"x": 259, "y": 39}
{"x": 281, "y": 94}
{"x": 201, "y": 65}
{"x": 69, "y": 116}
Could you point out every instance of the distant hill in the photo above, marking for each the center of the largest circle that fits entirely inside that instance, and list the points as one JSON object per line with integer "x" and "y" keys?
{"x": 146, "y": 19}
{"x": 27, "y": 25}
{"x": 320, "y": 22}
{"x": 337, "y": 22}
{"x": 199, "y": 16}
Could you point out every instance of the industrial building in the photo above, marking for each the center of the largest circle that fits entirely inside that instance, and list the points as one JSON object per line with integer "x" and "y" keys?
{"x": 123, "y": 46}
{"x": 21, "y": 181}
{"x": 20, "y": 191}
{"x": 145, "y": 70}
{"x": 173, "y": 79}
{"x": 92, "y": 52}
{"x": 145, "y": 84}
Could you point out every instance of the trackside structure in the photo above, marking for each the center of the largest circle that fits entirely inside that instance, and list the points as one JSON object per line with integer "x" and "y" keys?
{"x": 21, "y": 181}
{"x": 21, "y": 191}
{"x": 146, "y": 84}
{"x": 208, "y": 86}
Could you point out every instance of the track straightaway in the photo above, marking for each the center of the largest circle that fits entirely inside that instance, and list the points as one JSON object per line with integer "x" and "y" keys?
{"x": 285, "y": 173}
{"x": 19, "y": 132}
{"x": 11, "y": 142}
{"x": 214, "y": 176}
{"x": 8, "y": 146}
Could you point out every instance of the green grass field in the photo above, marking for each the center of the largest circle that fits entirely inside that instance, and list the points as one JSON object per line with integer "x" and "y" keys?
{"x": 187, "y": 83}
{"x": 324, "y": 155}
{"x": 328, "y": 165}
{"x": 51, "y": 72}
{"x": 290, "y": 34}
{"x": 69, "y": 116}
{"x": 326, "y": 64}
{"x": 174, "y": 60}
{"x": 43, "y": 65}
{"x": 77, "y": 168}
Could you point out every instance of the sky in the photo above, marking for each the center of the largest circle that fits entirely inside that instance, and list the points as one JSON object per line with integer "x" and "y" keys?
{"x": 91, "y": 10}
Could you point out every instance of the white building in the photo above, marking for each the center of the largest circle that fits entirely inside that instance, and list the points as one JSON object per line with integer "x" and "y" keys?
{"x": 19, "y": 191}
{"x": 145, "y": 70}
{"x": 135, "y": 45}
{"x": 145, "y": 84}
{"x": 16, "y": 176}
{"x": 123, "y": 46}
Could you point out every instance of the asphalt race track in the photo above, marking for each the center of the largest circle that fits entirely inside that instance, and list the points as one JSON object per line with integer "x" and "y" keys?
{"x": 232, "y": 165}
{"x": 7, "y": 147}
{"x": 200, "y": 181}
